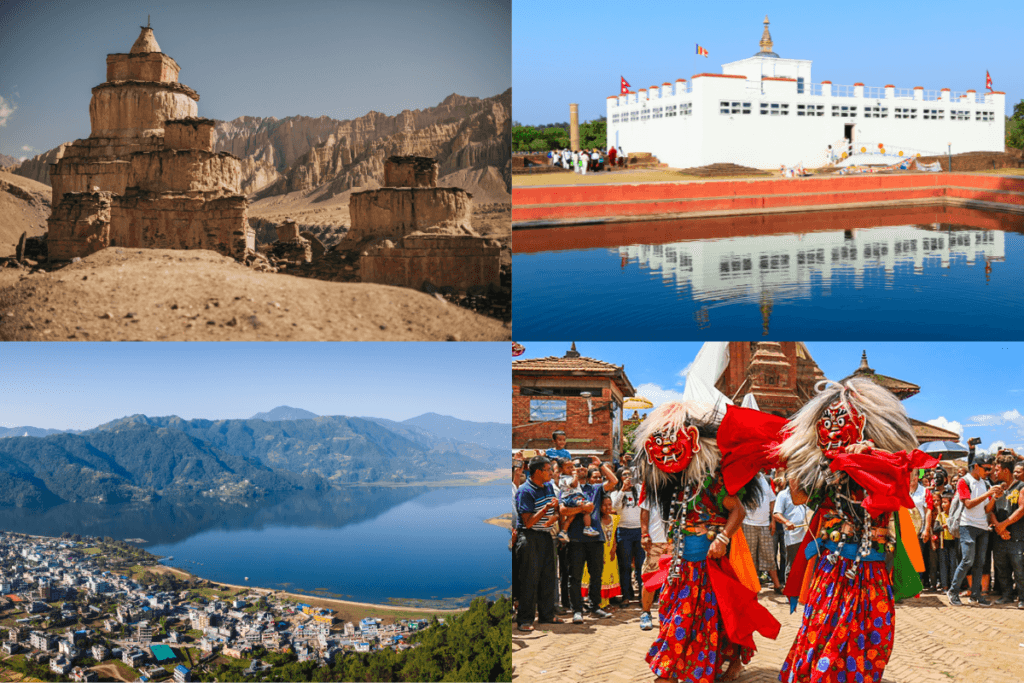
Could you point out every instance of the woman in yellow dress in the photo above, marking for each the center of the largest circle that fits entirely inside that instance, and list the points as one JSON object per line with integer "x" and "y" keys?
{"x": 610, "y": 587}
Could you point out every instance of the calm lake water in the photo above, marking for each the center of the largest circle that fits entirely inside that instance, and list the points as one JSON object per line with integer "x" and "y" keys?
{"x": 918, "y": 273}
{"x": 367, "y": 545}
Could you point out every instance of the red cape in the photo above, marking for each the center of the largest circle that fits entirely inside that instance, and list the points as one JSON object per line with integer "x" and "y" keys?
{"x": 886, "y": 480}
{"x": 747, "y": 439}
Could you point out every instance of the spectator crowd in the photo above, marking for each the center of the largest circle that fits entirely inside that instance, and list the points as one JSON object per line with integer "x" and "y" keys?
{"x": 583, "y": 537}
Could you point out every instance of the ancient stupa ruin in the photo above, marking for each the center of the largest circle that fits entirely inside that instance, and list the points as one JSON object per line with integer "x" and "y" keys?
{"x": 147, "y": 175}
{"x": 411, "y": 231}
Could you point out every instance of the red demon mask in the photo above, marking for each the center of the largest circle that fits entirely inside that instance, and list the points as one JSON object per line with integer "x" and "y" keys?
{"x": 840, "y": 425}
{"x": 672, "y": 451}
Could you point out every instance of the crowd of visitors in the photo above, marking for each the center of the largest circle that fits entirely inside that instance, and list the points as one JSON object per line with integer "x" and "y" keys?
{"x": 593, "y": 160}
{"x": 584, "y": 538}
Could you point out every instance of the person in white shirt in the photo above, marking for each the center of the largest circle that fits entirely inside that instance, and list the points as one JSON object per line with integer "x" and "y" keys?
{"x": 629, "y": 549}
{"x": 584, "y": 161}
{"x": 759, "y": 528}
{"x": 977, "y": 501}
{"x": 794, "y": 519}
{"x": 655, "y": 544}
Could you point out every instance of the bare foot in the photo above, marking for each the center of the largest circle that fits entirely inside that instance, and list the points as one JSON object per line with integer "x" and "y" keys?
{"x": 734, "y": 670}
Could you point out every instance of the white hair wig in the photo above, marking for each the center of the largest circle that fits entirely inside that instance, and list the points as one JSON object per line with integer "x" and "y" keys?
{"x": 671, "y": 417}
{"x": 886, "y": 424}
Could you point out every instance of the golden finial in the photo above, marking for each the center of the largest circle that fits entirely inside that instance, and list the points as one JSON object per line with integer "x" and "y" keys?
{"x": 766, "y": 38}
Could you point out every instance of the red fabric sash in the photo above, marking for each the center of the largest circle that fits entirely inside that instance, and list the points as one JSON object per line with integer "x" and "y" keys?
{"x": 885, "y": 476}
{"x": 747, "y": 440}
{"x": 741, "y": 613}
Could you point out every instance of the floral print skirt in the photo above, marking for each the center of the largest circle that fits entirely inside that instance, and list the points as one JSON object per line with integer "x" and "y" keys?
{"x": 692, "y": 645}
{"x": 848, "y": 625}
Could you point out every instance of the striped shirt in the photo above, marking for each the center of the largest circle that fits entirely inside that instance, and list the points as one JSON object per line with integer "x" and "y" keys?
{"x": 532, "y": 498}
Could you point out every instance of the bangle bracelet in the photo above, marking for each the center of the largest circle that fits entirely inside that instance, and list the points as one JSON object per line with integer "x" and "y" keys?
{"x": 723, "y": 538}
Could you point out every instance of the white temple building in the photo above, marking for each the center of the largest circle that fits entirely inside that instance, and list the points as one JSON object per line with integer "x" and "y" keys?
{"x": 765, "y": 111}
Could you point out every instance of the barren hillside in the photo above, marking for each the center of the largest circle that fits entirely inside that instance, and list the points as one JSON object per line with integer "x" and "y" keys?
{"x": 24, "y": 207}
{"x": 159, "y": 294}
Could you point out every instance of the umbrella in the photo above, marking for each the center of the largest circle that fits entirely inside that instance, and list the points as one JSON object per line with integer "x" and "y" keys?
{"x": 945, "y": 450}
{"x": 637, "y": 403}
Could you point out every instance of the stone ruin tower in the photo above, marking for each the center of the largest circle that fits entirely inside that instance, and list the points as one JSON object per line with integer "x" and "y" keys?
{"x": 147, "y": 175}
{"x": 411, "y": 231}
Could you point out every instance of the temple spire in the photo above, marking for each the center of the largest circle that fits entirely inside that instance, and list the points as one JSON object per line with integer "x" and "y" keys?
{"x": 766, "y": 37}
{"x": 146, "y": 42}
{"x": 766, "y": 42}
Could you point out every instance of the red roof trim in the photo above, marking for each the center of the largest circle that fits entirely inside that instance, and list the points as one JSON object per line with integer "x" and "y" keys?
{"x": 719, "y": 76}
{"x": 824, "y": 82}
{"x": 860, "y": 84}
{"x": 772, "y": 78}
{"x": 944, "y": 90}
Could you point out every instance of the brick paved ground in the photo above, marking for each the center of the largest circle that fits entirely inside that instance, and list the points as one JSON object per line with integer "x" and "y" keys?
{"x": 934, "y": 643}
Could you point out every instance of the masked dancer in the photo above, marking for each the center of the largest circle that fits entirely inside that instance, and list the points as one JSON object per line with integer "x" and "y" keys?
{"x": 849, "y": 454}
{"x": 695, "y": 462}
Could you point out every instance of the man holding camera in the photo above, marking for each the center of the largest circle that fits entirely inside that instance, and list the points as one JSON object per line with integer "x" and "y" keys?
{"x": 978, "y": 501}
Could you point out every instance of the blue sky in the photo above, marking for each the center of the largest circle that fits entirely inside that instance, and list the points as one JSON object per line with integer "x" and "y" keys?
{"x": 937, "y": 44}
{"x": 79, "y": 386}
{"x": 974, "y": 388}
{"x": 339, "y": 58}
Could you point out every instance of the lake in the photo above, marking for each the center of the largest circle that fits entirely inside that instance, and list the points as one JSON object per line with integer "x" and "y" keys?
{"x": 364, "y": 544}
{"x": 940, "y": 273}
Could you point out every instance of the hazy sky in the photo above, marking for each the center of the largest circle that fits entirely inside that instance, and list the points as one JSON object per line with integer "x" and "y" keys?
{"x": 936, "y": 44}
{"x": 976, "y": 388}
{"x": 79, "y": 386}
{"x": 339, "y": 58}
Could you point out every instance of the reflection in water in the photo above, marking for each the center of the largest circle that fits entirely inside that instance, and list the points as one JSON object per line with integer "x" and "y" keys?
{"x": 772, "y": 268}
{"x": 901, "y": 273}
{"x": 165, "y": 522}
{"x": 375, "y": 545}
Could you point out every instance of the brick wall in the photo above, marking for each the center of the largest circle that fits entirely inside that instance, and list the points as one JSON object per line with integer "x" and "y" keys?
{"x": 146, "y": 66}
{"x": 581, "y": 435}
{"x": 154, "y": 222}
{"x": 79, "y": 225}
{"x": 189, "y": 134}
{"x": 459, "y": 261}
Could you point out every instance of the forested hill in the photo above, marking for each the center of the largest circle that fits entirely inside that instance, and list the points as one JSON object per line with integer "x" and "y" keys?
{"x": 340, "y": 449}
{"x": 137, "y": 463}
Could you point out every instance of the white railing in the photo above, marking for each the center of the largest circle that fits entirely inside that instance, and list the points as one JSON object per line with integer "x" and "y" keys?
{"x": 843, "y": 91}
{"x": 874, "y": 93}
{"x": 903, "y": 93}
{"x": 932, "y": 95}
{"x": 814, "y": 89}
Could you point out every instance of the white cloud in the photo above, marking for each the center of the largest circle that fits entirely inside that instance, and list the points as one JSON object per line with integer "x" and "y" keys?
{"x": 684, "y": 373}
{"x": 6, "y": 109}
{"x": 1011, "y": 417}
{"x": 27, "y": 148}
{"x": 22, "y": 158}
{"x": 951, "y": 425}
{"x": 657, "y": 395}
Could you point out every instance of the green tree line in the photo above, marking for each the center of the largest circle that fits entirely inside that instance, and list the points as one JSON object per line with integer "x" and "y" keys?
{"x": 556, "y": 136}
{"x": 1015, "y": 127}
{"x": 473, "y": 646}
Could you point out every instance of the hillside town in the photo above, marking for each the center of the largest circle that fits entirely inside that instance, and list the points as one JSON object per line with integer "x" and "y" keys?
{"x": 64, "y": 608}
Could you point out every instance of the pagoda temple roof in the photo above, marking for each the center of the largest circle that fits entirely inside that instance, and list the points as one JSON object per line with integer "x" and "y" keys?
{"x": 926, "y": 432}
{"x": 902, "y": 389}
{"x": 572, "y": 363}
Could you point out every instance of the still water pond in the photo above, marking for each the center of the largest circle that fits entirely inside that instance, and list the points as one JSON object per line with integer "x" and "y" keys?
{"x": 915, "y": 273}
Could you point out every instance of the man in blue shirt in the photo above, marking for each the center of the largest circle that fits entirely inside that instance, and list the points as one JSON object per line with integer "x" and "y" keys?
{"x": 586, "y": 548}
{"x": 538, "y": 511}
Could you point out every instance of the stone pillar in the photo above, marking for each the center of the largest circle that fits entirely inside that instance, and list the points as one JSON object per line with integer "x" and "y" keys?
{"x": 574, "y": 127}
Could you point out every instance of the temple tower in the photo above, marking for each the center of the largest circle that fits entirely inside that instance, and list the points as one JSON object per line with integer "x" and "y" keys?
{"x": 147, "y": 175}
